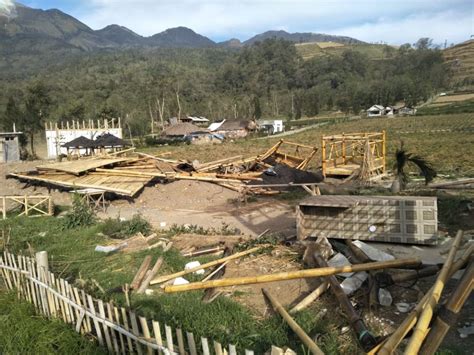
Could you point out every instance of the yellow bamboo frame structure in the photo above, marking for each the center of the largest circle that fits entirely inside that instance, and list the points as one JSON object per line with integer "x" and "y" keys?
{"x": 42, "y": 204}
{"x": 342, "y": 154}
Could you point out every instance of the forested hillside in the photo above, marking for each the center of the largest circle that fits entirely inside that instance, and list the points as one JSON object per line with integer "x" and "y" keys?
{"x": 267, "y": 79}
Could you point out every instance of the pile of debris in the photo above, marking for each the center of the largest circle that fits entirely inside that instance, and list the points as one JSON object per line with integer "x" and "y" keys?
{"x": 343, "y": 268}
{"x": 128, "y": 175}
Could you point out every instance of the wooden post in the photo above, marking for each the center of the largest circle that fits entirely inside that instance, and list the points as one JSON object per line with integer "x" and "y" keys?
{"x": 323, "y": 155}
{"x": 293, "y": 325}
{"x": 4, "y": 207}
{"x": 42, "y": 261}
{"x": 324, "y": 271}
{"x": 305, "y": 302}
{"x": 26, "y": 205}
{"x": 50, "y": 206}
{"x": 384, "y": 152}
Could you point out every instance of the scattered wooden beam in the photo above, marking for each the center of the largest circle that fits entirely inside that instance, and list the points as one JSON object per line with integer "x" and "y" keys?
{"x": 325, "y": 271}
{"x": 150, "y": 276}
{"x": 365, "y": 338}
{"x": 141, "y": 272}
{"x": 424, "y": 320}
{"x": 395, "y": 339}
{"x": 305, "y": 302}
{"x": 293, "y": 325}
{"x": 204, "y": 266}
{"x": 448, "y": 314}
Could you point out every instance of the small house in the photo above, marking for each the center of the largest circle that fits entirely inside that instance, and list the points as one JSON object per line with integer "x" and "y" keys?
{"x": 235, "y": 128}
{"x": 405, "y": 110}
{"x": 271, "y": 126}
{"x": 205, "y": 137}
{"x": 376, "y": 111}
{"x": 9, "y": 146}
{"x": 195, "y": 120}
{"x": 181, "y": 130}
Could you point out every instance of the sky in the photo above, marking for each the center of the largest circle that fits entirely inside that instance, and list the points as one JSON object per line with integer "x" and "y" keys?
{"x": 390, "y": 21}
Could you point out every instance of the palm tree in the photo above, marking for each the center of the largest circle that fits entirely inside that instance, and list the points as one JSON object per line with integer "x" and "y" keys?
{"x": 402, "y": 160}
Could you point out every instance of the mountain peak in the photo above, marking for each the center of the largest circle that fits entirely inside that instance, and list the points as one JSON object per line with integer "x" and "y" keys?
{"x": 300, "y": 37}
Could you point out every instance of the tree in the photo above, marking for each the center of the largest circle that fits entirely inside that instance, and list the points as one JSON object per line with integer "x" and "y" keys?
{"x": 424, "y": 43}
{"x": 37, "y": 105}
{"x": 12, "y": 114}
{"x": 257, "y": 111}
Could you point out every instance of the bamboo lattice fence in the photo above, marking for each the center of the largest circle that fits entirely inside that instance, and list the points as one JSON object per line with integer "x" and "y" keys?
{"x": 38, "y": 204}
{"x": 117, "y": 328}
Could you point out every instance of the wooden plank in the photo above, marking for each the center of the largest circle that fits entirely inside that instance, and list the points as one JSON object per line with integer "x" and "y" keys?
{"x": 77, "y": 167}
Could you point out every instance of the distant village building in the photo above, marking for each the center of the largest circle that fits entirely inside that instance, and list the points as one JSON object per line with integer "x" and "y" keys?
{"x": 400, "y": 109}
{"x": 376, "y": 111}
{"x": 181, "y": 130}
{"x": 233, "y": 128}
{"x": 59, "y": 134}
{"x": 9, "y": 146}
{"x": 271, "y": 126}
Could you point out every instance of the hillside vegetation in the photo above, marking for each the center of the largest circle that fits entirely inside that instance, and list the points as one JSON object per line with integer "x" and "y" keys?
{"x": 267, "y": 79}
{"x": 460, "y": 59}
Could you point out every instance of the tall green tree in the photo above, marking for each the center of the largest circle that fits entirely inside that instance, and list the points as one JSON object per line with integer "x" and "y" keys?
{"x": 37, "y": 106}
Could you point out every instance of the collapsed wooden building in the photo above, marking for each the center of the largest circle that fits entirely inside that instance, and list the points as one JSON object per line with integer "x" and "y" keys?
{"x": 127, "y": 175}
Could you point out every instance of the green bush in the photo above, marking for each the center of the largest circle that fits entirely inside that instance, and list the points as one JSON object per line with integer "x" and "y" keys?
{"x": 115, "y": 228}
{"x": 81, "y": 214}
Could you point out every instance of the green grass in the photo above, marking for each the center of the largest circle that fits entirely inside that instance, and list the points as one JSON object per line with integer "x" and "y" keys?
{"x": 312, "y": 50}
{"x": 22, "y": 331}
{"x": 452, "y": 108}
{"x": 72, "y": 255}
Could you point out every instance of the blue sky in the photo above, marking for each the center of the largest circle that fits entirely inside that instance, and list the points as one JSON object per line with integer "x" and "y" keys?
{"x": 391, "y": 21}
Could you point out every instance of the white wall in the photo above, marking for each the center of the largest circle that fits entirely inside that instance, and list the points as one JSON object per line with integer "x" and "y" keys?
{"x": 56, "y": 138}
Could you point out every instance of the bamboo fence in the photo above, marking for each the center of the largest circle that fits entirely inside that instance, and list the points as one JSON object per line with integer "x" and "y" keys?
{"x": 39, "y": 204}
{"x": 117, "y": 328}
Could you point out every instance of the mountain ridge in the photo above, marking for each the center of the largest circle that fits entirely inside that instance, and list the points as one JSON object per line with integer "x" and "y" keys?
{"x": 55, "y": 24}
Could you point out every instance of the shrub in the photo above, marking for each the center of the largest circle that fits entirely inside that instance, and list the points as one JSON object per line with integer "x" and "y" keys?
{"x": 81, "y": 214}
{"x": 115, "y": 228}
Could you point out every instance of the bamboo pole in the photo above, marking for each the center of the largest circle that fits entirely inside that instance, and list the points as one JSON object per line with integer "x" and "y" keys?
{"x": 324, "y": 271}
{"x": 293, "y": 325}
{"x": 423, "y": 323}
{"x": 305, "y": 302}
{"x": 203, "y": 266}
{"x": 392, "y": 342}
{"x": 448, "y": 314}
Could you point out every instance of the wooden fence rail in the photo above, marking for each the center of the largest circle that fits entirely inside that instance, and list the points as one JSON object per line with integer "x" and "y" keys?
{"x": 41, "y": 205}
{"x": 117, "y": 328}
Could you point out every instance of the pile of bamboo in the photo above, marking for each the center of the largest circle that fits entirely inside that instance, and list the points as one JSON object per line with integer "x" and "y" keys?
{"x": 128, "y": 175}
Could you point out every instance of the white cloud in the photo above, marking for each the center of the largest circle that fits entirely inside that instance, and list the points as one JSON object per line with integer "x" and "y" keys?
{"x": 371, "y": 20}
{"x": 7, "y": 8}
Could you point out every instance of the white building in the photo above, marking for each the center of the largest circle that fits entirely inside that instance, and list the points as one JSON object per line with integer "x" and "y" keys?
{"x": 271, "y": 126}
{"x": 57, "y": 135}
{"x": 376, "y": 111}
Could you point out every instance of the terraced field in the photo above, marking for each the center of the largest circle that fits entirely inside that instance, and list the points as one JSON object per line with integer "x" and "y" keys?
{"x": 319, "y": 49}
{"x": 460, "y": 59}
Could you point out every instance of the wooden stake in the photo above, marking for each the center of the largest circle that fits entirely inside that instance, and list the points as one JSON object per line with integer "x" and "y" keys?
{"x": 324, "y": 271}
{"x": 293, "y": 325}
